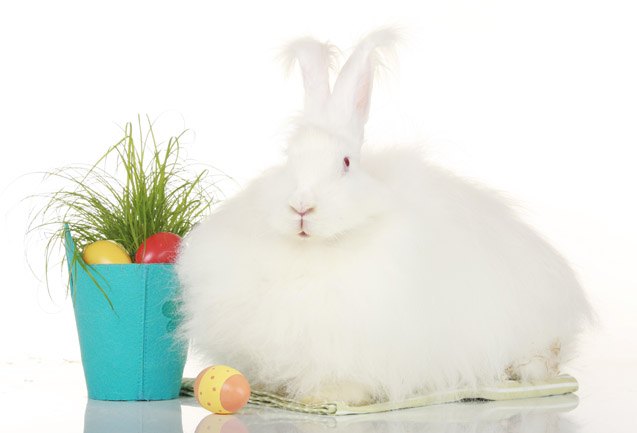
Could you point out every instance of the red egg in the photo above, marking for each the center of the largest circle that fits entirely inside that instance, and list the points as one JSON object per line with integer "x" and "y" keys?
{"x": 161, "y": 247}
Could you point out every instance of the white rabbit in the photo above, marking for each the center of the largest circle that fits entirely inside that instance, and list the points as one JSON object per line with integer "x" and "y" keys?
{"x": 359, "y": 276}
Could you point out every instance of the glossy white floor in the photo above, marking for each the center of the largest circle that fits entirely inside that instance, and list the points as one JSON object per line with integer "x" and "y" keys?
{"x": 49, "y": 396}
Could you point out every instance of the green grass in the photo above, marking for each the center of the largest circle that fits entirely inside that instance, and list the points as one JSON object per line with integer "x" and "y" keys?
{"x": 147, "y": 188}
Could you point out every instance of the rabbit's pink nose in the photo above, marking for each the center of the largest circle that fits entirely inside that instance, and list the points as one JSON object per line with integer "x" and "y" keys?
{"x": 302, "y": 209}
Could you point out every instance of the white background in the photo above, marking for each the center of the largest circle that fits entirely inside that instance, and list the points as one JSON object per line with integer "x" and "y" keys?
{"x": 538, "y": 99}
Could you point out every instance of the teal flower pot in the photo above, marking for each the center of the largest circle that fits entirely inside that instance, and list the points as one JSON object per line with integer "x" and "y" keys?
{"x": 129, "y": 351}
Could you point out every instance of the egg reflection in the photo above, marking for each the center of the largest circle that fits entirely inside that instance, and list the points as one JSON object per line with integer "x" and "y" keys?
{"x": 214, "y": 423}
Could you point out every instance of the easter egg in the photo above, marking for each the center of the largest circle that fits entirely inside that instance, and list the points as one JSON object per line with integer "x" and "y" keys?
{"x": 221, "y": 389}
{"x": 105, "y": 253}
{"x": 161, "y": 247}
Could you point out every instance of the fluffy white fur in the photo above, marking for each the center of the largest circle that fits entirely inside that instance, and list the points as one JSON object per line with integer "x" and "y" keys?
{"x": 411, "y": 278}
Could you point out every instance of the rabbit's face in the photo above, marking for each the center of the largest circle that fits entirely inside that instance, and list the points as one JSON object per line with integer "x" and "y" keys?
{"x": 327, "y": 193}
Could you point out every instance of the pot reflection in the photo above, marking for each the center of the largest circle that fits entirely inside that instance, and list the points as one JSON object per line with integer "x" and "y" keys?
{"x": 133, "y": 416}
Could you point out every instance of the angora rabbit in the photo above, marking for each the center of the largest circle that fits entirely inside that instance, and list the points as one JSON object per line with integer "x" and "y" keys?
{"x": 357, "y": 276}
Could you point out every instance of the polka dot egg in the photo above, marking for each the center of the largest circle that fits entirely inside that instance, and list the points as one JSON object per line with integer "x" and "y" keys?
{"x": 221, "y": 389}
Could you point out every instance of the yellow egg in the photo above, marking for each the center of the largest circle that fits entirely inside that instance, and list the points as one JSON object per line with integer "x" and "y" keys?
{"x": 105, "y": 253}
{"x": 221, "y": 389}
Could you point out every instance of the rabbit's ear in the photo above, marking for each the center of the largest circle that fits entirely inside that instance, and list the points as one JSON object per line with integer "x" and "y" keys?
{"x": 315, "y": 59}
{"x": 353, "y": 88}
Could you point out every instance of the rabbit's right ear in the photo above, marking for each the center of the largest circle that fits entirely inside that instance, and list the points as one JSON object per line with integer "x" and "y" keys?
{"x": 315, "y": 59}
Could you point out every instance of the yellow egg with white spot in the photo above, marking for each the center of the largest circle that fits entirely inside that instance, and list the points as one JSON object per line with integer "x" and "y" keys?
{"x": 221, "y": 389}
{"x": 105, "y": 253}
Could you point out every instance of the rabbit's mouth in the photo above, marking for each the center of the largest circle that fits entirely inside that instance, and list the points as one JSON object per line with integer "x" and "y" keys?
{"x": 303, "y": 234}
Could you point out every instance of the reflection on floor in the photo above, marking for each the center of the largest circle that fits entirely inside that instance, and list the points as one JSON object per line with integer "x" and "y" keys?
{"x": 547, "y": 415}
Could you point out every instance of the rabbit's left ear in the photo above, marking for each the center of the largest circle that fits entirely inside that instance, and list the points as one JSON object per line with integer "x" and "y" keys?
{"x": 315, "y": 59}
{"x": 349, "y": 104}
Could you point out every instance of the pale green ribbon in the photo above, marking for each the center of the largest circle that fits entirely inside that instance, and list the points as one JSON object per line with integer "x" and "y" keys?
{"x": 507, "y": 390}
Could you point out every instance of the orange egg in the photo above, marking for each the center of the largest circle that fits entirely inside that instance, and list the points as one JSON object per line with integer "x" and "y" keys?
{"x": 221, "y": 389}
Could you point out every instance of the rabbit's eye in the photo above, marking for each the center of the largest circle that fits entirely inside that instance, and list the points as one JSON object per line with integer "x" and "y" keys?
{"x": 346, "y": 162}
